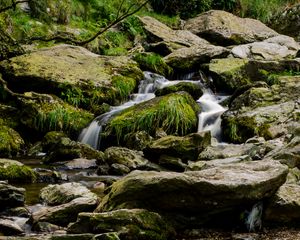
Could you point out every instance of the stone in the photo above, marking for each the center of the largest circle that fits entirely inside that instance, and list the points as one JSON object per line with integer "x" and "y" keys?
{"x": 107, "y": 236}
{"x": 9, "y": 47}
{"x": 129, "y": 158}
{"x": 186, "y": 147}
{"x": 74, "y": 74}
{"x": 284, "y": 206}
{"x": 158, "y": 32}
{"x": 192, "y": 193}
{"x": 63, "y": 214}
{"x": 140, "y": 223}
{"x": 175, "y": 113}
{"x": 11, "y": 142}
{"x": 185, "y": 59}
{"x": 17, "y": 172}
{"x": 10, "y": 196}
{"x": 171, "y": 163}
{"x": 201, "y": 165}
{"x": 81, "y": 163}
{"x": 9, "y": 228}
{"x": 225, "y": 29}
{"x": 118, "y": 169}
{"x": 58, "y": 194}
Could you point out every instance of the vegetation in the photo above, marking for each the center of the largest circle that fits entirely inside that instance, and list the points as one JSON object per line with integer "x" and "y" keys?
{"x": 17, "y": 173}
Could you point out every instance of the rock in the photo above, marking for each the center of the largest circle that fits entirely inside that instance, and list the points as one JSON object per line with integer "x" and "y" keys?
{"x": 185, "y": 59}
{"x": 171, "y": 163}
{"x": 186, "y": 148}
{"x": 224, "y": 28}
{"x": 9, "y": 228}
{"x": 11, "y": 196}
{"x": 206, "y": 192}
{"x": 118, "y": 169}
{"x": 46, "y": 227}
{"x": 54, "y": 195}
{"x": 287, "y": 21}
{"x": 64, "y": 236}
{"x": 139, "y": 223}
{"x": 228, "y": 151}
{"x": 201, "y": 165}
{"x": 11, "y": 142}
{"x": 138, "y": 140}
{"x": 229, "y": 73}
{"x": 285, "y": 205}
{"x": 175, "y": 113}
{"x": 274, "y": 48}
{"x": 60, "y": 148}
{"x": 8, "y": 46}
{"x": 107, "y": 236}
{"x": 9, "y": 116}
{"x": 63, "y": 214}
{"x": 193, "y": 89}
{"x": 158, "y": 32}
{"x": 73, "y": 73}
{"x": 48, "y": 113}
{"x": 81, "y": 163}
{"x": 14, "y": 171}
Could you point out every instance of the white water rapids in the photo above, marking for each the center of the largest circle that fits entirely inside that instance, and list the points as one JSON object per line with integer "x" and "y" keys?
{"x": 209, "y": 118}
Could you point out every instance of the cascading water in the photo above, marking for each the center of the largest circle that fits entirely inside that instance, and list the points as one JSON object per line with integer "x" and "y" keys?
{"x": 209, "y": 118}
{"x": 211, "y": 111}
{"x": 92, "y": 134}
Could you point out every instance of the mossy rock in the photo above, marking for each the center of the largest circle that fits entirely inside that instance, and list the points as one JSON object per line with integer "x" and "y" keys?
{"x": 193, "y": 89}
{"x": 73, "y": 73}
{"x": 8, "y": 46}
{"x": 16, "y": 172}
{"x": 128, "y": 223}
{"x": 229, "y": 73}
{"x": 10, "y": 142}
{"x": 174, "y": 113}
{"x": 154, "y": 63}
{"x": 10, "y": 116}
{"x": 48, "y": 113}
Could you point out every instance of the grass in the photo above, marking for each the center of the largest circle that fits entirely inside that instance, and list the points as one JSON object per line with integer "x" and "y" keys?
{"x": 174, "y": 113}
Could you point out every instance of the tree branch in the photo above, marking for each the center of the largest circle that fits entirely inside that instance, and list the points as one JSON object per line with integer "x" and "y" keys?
{"x": 13, "y": 5}
{"x": 101, "y": 31}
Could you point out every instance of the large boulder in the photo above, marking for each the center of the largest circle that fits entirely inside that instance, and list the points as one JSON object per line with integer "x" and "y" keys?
{"x": 225, "y": 29}
{"x": 186, "y": 147}
{"x": 10, "y": 141}
{"x": 139, "y": 223}
{"x": 11, "y": 196}
{"x": 206, "y": 192}
{"x": 188, "y": 58}
{"x": 73, "y": 73}
{"x": 175, "y": 113}
{"x": 14, "y": 171}
{"x": 9, "y": 228}
{"x": 165, "y": 39}
{"x": 57, "y": 194}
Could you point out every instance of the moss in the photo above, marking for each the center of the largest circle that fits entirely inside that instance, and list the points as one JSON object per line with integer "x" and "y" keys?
{"x": 174, "y": 113}
{"x": 123, "y": 86}
{"x": 154, "y": 63}
{"x": 16, "y": 173}
{"x": 10, "y": 141}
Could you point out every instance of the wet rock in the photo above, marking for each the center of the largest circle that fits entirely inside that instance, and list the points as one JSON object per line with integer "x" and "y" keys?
{"x": 127, "y": 157}
{"x": 81, "y": 163}
{"x": 118, "y": 169}
{"x": 139, "y": 140}
{"x": 9, "y": 228}
{"x": 139, "y": 223}
{"x": 185, "y": 59}
{"x": 67, "y": 70}
{"x": 107, "y": 236}
{"x": 171, "y": 163}
{"x": 49, "y": 176}
{"x": 154, "y": 114}
{"x": 63, "y": 214}
{"x": 21, "y": 212}
{"x": 46, "y": 227}
{"x": 205, "y": 192}
{"x": 201, "y": 165}
{"x": 284, "y": 207}
{"x": 54, "y": 195}
{"x": 192, "y": 88}
{"x": 186, "y": 148}
{"x": 14, "y": 171}
{"x": 85, "y": 236}
{"x": 225, "y": 28}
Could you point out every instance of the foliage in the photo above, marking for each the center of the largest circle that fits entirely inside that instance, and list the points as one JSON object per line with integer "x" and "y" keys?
{"x": 174, "y": 113}
{"x": 153, "y": 62}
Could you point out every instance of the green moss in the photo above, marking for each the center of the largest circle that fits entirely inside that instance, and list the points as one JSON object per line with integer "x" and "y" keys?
{"x": 16, "y": 173}
{"x": 154, "y": 63}
{"x": 174, "y": 113}
{"x": 10, "y": 141}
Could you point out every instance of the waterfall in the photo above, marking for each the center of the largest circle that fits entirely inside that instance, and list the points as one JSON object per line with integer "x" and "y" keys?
{"x": 211, "y": 111}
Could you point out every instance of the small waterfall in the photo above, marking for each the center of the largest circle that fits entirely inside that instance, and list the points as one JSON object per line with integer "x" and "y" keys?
{"x": 211, "y": 111}
{"x": 92, "y": 134}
